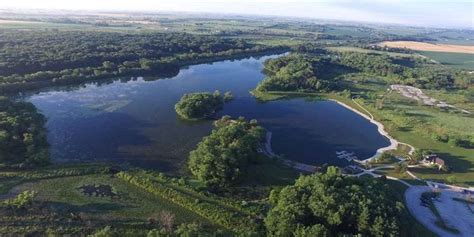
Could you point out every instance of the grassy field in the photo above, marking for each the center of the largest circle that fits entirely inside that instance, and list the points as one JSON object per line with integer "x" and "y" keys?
{"x": 456, "y": 60}
{"x": 415, "y": 124}
{"x": 131, "y": 206}
{"x": 60, "y": 205}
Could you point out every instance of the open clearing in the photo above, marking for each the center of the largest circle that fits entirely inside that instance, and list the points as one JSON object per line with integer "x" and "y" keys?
{"x": 421, "y": 46}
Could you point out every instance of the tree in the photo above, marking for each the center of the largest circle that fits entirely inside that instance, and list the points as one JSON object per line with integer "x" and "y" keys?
{"x": 157, "y": 233}
{"x": 331, "y": 204}
{"x": 199, "y": 105}
{"x": 221, "y": 158}
{"x": 295, "y": 72}
{"x": 22, "y": 134}
{"x": 451, "y": 179}
{"x": 315, "y": 230}
{"x": 401, "y": 167}
{"x": 418, "y": 155}
{"x": 21, "y": 201}
{"x": 189, "y": 230}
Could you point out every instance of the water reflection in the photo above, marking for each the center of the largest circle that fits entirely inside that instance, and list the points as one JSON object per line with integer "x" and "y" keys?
{"x": 133, "y": 120}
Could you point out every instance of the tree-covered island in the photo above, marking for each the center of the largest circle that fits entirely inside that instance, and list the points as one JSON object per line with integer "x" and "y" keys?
{"x": 199, "y": 105}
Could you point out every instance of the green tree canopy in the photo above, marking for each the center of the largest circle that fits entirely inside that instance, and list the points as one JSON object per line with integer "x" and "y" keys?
{"x": 331, "y": 204}
{"x": 295, "y": 72}
{"x": 199, "y": 105}
{"x": 22, "y": 134}
{"x": 221, "y": 158}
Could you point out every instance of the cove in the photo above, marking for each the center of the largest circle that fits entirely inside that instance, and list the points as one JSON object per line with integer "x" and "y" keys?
{"x": 133, "y": 120}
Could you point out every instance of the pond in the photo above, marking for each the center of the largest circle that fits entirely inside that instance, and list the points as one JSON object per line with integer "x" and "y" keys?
{"x": 134, "y": 120}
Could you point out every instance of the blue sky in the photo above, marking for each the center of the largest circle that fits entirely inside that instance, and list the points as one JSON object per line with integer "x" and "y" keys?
{"x": 416, "y": 12}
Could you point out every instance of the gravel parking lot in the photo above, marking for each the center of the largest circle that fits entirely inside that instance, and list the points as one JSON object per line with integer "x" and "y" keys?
{"x": 454, "y": 213}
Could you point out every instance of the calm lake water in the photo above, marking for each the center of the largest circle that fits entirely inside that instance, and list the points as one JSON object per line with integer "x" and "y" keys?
{"x": 134, "y": 120}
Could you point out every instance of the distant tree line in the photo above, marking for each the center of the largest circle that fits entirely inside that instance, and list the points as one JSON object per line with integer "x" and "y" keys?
{"x": 31, "y": 59}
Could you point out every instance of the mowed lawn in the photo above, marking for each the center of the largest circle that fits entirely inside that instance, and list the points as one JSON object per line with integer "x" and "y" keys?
{"x": 456, "y": 60}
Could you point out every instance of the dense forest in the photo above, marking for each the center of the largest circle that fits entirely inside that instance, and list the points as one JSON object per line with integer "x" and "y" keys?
{"x": 295, "y": 72}
{"x": 39, "y": 58}
{"x": 221, "y": 159}
{"x": 22, "y": 134}
{"x": 330, "y": 204}
{"x": 200, "y": 105}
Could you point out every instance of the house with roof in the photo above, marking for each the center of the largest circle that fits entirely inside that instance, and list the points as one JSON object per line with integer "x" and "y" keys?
{"x": 433, "y": 159}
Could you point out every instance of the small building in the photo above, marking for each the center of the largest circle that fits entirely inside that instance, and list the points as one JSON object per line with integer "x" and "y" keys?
{"x": 433, "y": 159}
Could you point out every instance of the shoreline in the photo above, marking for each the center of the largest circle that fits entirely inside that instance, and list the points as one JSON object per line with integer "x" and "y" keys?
{"x": 268, "y": 151}
{"x": 380, "y": 128}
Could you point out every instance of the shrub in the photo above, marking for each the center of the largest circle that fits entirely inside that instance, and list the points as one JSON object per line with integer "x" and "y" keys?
{"x": 21, "y": 201}
{"x": 451, "y": 179}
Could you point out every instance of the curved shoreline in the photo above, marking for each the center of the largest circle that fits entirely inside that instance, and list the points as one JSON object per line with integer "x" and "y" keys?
{"x": 380, "y": 128}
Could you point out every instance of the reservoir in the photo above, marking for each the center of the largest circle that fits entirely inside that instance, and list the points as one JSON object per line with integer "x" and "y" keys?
{"x": 133, "y": 120}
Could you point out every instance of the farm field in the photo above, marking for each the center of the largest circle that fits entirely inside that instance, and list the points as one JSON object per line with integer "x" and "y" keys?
{"x": 421, "y": 46}
{"x": 455, "y": 60}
